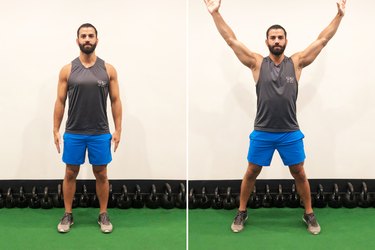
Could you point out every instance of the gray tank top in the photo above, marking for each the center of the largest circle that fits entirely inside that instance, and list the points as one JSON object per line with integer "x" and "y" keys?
{"x": 87, "y": 94}
{"x": 277, "y": 90}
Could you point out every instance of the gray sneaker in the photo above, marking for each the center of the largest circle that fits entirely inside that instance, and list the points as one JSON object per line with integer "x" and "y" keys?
{"x": 239, "y": 221}
{"x": 312, "y": 224}
{"x": 65, "y": 223}
{"x": 105, "y": 223}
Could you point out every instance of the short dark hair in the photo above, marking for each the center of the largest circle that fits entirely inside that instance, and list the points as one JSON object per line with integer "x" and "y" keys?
{"x": 275, "y": 27}
{"x": 87, "y": 25}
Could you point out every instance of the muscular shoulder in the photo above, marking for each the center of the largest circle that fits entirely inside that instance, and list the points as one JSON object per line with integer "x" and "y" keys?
{"x": 65, "y": 71}
{"x": 296, "y": 59}
{"x": 111, "y": 71}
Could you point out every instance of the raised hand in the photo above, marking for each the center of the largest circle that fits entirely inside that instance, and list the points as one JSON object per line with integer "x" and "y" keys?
{"x": 341, "y": 7}
{"x": 212, "y": 5}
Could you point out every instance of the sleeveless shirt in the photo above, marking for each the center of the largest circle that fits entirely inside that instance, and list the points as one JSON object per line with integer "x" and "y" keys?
{"x": 277, "y": 90}
{"x": 87, "y": 93}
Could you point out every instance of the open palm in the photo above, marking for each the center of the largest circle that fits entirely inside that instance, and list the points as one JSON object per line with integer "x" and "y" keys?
{"x": 212, "y": 5}
{"x": 341, "y": 7}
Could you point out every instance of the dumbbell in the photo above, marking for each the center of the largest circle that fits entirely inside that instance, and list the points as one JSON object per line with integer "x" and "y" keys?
{"x": 124, "y": 201}
{"x": 167, "y": 199}
{"x": 152, "y": 200}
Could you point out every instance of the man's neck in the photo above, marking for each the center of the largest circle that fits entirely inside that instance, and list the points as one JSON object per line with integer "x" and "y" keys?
{"x": 277, "y": 59}
{"x": 87, "y": 60}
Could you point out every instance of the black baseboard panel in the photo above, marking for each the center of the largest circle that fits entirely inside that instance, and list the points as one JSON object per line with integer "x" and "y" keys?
{"x": 198, "y": 193}
{"x": 209, "y": 185}
{"x": 328, "y": 184}
{"x": 145, "y": 185}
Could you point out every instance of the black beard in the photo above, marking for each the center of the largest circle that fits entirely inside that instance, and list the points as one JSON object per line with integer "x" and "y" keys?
{"x": 276, "y": 52}
{"x": 89, "y": 50}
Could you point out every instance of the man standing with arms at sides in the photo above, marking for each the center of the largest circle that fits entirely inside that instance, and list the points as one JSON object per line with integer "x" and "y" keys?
{"x": 276, "y": 127}
{"x": 87, "y": 81}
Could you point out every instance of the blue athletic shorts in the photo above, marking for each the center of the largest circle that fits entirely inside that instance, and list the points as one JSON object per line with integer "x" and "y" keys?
{"x": 98, "y": 148}
{"x": 288, "y": 144}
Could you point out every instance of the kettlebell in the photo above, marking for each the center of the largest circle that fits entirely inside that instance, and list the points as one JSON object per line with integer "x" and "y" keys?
{"x": 10, "y": 202}
{"x": 335, "y": 200}
{"x": 21, "y": 200}
{"x": 84, "y": 200}
{"x": 217, "y": 202}
{"x": 365, "y": 200}
{"x": 181, "y": 197}
{"x": 254, "y": 200}
{"x": 229, "y": 202}
{"x": 319, "y": 198}
{"x": 167, "y": 200}
{"x": 34, "y": 199}
{"x": 350, "y": 199}
{"x": 124, "y": 201}
{"x": 280, "y": 198}
{"x": 58, "y": 198}
{"x": 152, "y": 200}
{"x": 267, "y": 201}
{"x": 111, "y": 198}
{"x": 46, "y": 201}
{"x": 137, "y": 198}
{"x": 193, "y": 200}
{"x": 293, "y": 198}
{"x": 205, "y": 201}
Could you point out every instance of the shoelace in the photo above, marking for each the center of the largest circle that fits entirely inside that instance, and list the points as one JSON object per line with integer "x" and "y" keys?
{"x": 311, "y": 219}
{"x": 239, "y": 218}
{"x": 66, "y": 219}
{"x": 104, "y": 219}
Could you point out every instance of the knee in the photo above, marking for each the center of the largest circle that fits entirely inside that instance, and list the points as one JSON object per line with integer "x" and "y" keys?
{"x": 253, "y": 171}
{"x": 100, "y": 174}
{"x": 71, "y": 174}
{"x": 298, "y": 173}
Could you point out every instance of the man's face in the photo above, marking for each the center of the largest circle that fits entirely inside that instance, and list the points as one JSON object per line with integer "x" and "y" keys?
{"x": 276, "y": 41}
{"x": 87, "y": 40}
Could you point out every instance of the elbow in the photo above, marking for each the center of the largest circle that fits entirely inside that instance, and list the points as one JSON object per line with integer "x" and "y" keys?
{"x": 230, "y": 41}
{"x": 324, "y": 42}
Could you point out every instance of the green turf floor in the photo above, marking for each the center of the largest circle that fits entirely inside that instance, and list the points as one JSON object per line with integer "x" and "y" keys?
{"x": 133, "y": 229}
{"x": 282, "y": 228}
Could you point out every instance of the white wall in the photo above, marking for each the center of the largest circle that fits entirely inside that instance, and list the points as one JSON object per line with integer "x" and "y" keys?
{"x": 144, "y": 40}
{"x": 336, "y": 105}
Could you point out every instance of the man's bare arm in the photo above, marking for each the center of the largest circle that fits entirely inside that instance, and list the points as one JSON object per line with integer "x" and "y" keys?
{"x": 114, "y": 95}
{"x": 247, "y": 57}
{"x": 58, "y": 113}
{"x": 306, "y": 57}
